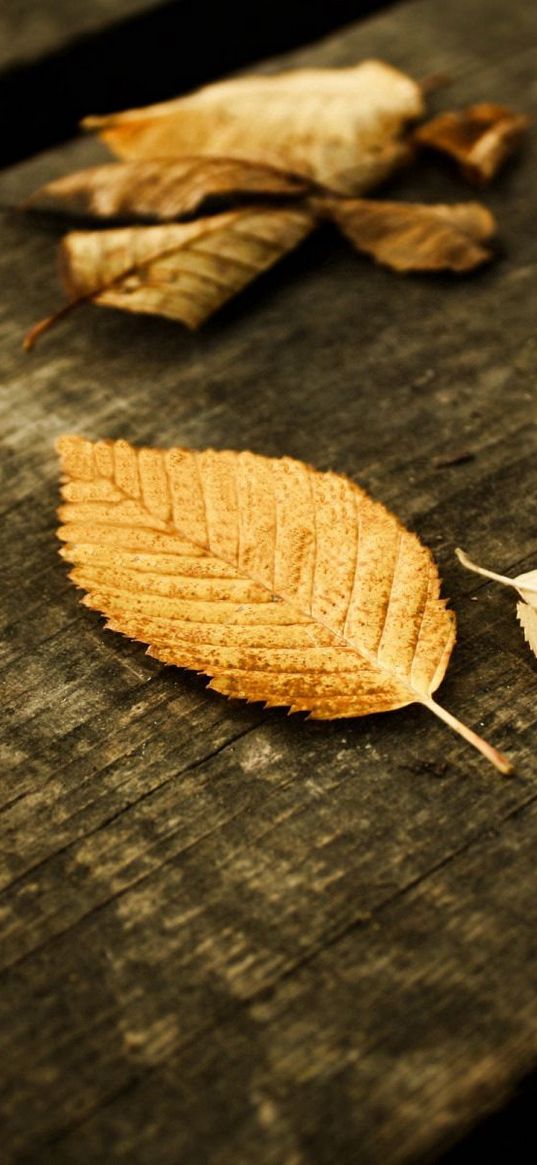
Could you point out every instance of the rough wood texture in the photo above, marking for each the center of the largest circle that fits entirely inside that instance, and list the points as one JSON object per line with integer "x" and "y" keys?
{"x": 228, "y": 935}
{"x": 31, "y": 28}
{"x": 61, "y": 58}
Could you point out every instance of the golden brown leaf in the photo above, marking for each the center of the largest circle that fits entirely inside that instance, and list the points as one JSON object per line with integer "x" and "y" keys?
{"x": 286, "y": 151}
{"x": 338, "y": 127}
{"x": 414, "y": 237}
{"x": 184, "y": 271}
{"x": 281, "y": 583}
{"x": 163, "y": 189}
{"x": 479, "y": 138}
{"x": 525, "y": 584}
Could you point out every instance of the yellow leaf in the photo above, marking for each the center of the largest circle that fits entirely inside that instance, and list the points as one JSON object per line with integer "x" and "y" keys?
{"x": 339, "y": 127}
{"x": 281, "y": 583}
{"x": 184, "y": 271}
{"x": 164, "y": 189}
{"x": 410, "y": 236}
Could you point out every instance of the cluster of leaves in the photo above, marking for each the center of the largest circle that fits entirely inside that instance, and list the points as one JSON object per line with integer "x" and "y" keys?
{"x": 217, "y": 186}
{"x": 280, "y": 583}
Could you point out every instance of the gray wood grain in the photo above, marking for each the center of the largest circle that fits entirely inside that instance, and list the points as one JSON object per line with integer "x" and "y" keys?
{"x": 29, "y": 29}
{"x": 229, "y": 935}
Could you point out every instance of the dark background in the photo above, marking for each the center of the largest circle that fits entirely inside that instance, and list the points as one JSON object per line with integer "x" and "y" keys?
{"x": 150, "y": 57}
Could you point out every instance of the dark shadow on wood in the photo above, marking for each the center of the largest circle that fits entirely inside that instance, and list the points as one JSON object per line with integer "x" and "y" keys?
{"x": 506, "y": 1135}
{"x": 151, "y": 58}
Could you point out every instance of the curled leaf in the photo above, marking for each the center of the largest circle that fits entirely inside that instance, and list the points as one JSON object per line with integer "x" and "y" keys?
{"x": 163, "y": 189}
{"x": 479, "y": 138}
{"x": 414, "y": 237}
{"x": 281, "y": 152}
{"x": 183, "y": 271}
{"x": 281, "y": 583}
{"x": 525, "y": 584}
{"x": 341, "y": 128}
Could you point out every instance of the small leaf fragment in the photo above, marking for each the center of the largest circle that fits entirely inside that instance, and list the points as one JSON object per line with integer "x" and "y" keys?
{"x": 281, "y": 583}
{"x": 479, "y": 138}
{"x": 408, "y": 236}
{"x": 163, "y": 189}
{"x": 527, "y": 617}
{"x": 525, "y": 584}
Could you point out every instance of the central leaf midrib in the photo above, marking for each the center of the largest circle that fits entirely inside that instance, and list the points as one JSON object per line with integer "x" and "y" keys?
{"x": 340, "y": 640}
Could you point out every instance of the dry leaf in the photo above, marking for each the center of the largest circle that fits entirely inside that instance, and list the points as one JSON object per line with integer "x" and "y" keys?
{"x": 525, "y": 584}
{"x": 163, "y": 189}
{"x": 188, "y": 271}
{"x": 303, "y": 142}
{"x": 281, "y": 583}
{"x": 338, "y": 127}
{"x": 183, "y": 271}
{"x": 413, "y": 237}
{"x": 479, "y": 138}
{"x": 527, "y": 617}
{"x": 310, "y": 136}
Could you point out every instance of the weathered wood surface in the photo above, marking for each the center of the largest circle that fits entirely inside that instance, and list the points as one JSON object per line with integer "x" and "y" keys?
{"x": 61, "y": 58}
{"x": 31, "y": 28}
{"x": 229, "y": 935}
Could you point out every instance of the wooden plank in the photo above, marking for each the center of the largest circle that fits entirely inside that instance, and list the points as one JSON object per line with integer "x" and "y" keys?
{"x": 32, "y": 29}
{"x": 60, "y": 58}
{"x": 29, "y": 30}
{"x": 229, "y": 934}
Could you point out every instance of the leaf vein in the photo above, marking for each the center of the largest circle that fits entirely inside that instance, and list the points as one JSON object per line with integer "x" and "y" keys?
{"x": 391, "y": 591}
{"x": 357, "y": 547}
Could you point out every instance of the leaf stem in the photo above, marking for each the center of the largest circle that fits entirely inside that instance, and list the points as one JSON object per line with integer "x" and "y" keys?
{"x": 498, "y": 759}
{"x": 33, "y": 334}
{"x": 433, "y": 82}
{"x": 501, "y": 578}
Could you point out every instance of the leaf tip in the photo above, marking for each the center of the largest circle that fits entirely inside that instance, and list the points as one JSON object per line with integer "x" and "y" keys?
{"x": 503, "y": 764}
{"x": 92, "y": 122}
{"x": 33, "y": 334}
{"x": 463, "y": 557}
